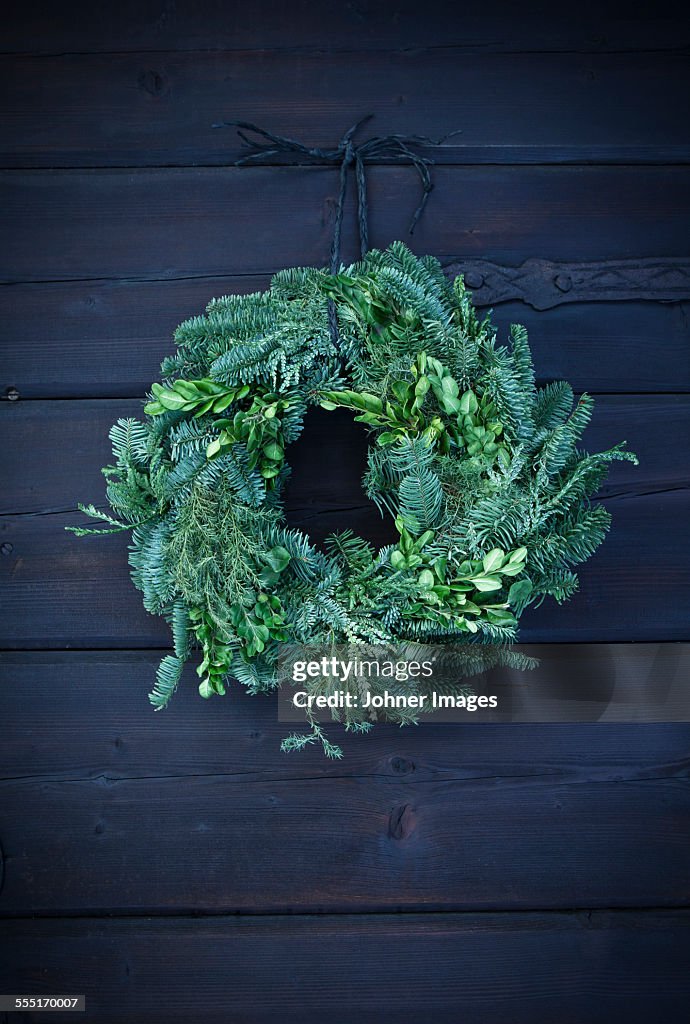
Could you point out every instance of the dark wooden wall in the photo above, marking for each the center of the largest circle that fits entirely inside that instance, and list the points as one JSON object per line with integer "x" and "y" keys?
{"x": 177, "y": 866}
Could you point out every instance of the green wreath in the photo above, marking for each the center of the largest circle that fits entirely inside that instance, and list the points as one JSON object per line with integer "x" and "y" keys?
{"x": 478, "y": 467}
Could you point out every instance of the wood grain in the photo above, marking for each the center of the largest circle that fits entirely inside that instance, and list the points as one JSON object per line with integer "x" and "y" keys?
{"x": 61, "y": 591}
{"x": 488, "y": 968}
{"x": 454, "y": 817}
{"x": 41, "y": 27}
{"x": 84, "y": 715}
{"x": 219, "y": 844}
{"x": 55, "y": 595}
{"x": 34, "y": 431}
{"x": 551, "y": 859}
{"x": 107, "y": 338}
{"x": 156, "y": 109}
{"x": 175, "y": 223}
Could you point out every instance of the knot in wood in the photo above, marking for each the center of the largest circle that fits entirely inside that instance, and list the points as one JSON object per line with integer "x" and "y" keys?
{"x": 152, "y": 82}
{"x": 401, "y": 822}
{"x": 401, "y": 766}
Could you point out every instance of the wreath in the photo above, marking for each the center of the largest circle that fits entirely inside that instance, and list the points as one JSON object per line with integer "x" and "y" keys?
{"x": 478, "y": 467}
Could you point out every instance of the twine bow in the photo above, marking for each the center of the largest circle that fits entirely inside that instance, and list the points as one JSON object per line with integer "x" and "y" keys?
{"x": 392, "y": 148}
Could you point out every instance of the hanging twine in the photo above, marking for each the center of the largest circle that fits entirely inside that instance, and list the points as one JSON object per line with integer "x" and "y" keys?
{"x": 391, "y": 148}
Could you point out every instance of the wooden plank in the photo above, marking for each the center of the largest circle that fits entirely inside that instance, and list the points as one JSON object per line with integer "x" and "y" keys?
{"x": 488, "y": 968}
{"x": 84, "y": 758}
{"x": 440, "y": 817}
{"x": 221, "y": 843}
{"x": 158, "y": 109}
{"x": 84, "y": 715}
{"x": 173, "y": 223}
{"x": 35, "y": 483}
{"x": 107, "y": 338}
{"x": 43, "y": 27}
{"x": 61, "y": 591}
{"x": 44, "y": 567}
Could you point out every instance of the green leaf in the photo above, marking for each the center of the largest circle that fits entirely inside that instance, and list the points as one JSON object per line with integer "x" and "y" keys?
{"x": 451, "y": 404}
{"x": 274, "y": 452}
{"x": 268, "y": 577}
{"x": 186, "y": 389}
{"x": 356, "y": 400}
{"x": 500, "y": 617}
{"x": 398, "y": 560}
{"x": 461, "y": 586}
{"x": 278, "y": 558}
{"x": 204, "y": 408}
{"x": 370, "y": 403}
{"x": 401, "y": 389}
{"x": 468, "y": 403}
{"x": 172, "y": 401}
{"x": 221, "y": 404}
{"x": 519, "y": 593}
{"x": 440, "y": 564}
{"x": 426, "y": 579}
{"x": 518, "y": 555}
{"x": 450, "y": 388}
{"x": 486, "y": 583}
{"x": 493, "y": 560}
{"x": 512, "y": 570}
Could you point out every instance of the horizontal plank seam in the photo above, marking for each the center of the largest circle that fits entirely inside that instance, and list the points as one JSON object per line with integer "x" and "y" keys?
{"x": 672, "y": 772}
{"x": 110, "y": 651}
{"x": 478, "y": 49}
{"x": 585, "y": 912}
{"x": 673, "y": 392}
{"x": 681, "y": 158}
{"x": 594, "y": 297}
{"x": 339, "y": 509}
{"x": 44, "y": 171}
{"x": 66, "y": 652}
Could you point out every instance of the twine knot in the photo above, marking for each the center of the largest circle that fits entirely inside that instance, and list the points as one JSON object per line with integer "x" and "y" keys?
{"x": 391, "y": 148}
